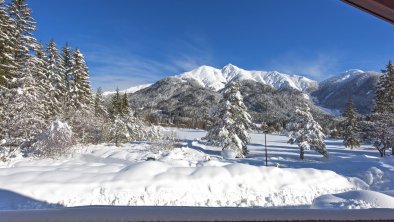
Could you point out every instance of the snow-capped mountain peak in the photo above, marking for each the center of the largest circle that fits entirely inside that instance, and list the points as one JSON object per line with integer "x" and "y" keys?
{"x": 348, "y": 74}
{"x": 216, "y": 79}
{"x": 230, "y": 68}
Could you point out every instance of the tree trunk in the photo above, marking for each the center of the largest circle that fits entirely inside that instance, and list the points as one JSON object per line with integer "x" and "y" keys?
{"x": 301, "y": 153}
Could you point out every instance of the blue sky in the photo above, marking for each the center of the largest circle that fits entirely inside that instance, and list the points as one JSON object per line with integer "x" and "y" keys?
{"x": 131, "y": 42}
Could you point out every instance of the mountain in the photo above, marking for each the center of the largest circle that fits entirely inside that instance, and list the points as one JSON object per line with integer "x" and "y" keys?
{"x": 132, "y": 89}
{"x": 270, "y": 96}
{"x": 216, "y": 79}
{"x": 185, "y": 101}
{"x": 334, "y": 92}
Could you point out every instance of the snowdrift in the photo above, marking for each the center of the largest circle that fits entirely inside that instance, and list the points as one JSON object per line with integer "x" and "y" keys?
{"x": 358, "y": 199}
{"x": 113, "y": 180}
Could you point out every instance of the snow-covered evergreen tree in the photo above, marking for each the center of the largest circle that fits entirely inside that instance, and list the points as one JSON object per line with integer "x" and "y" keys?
{"x": 350, "y": 126}
{"x": 125, "y": 108}
{"x": 116, "y": 104}
{"x": 306, "y": 132}
{"x": 380, "y": 126}
{"x": 68, "y": 75}
{"x": 23, "y": 26}
{"x": 231, "y": 122}
{"x": 20, "y": 92}
{"x": 99, "y": 107}
{"x": 8, "y": 66}
{"x": 43, "y": 82}
{"x": 55, "y": 72}
{"x": 385, "y": 91}
{"x": 119, "y": 132}
{"x": 29, "y": 107}
{"x": 82, "y": 95}
{"x": 136, "y": 127}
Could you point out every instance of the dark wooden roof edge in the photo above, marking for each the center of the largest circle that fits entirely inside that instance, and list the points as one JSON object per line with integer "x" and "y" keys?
{"x": 380, "y": 8}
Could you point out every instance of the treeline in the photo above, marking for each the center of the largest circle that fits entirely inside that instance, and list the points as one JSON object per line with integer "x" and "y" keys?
{"x": 46, "y": 99}
{"x": 38, "y": 84}
{"x": 376, "y": 128}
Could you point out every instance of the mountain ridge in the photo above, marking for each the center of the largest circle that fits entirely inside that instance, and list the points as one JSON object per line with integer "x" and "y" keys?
{"x": 215, "y": 78}
{"x": 331, "y": 93}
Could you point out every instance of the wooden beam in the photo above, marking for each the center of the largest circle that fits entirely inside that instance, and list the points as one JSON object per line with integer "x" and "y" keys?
{"x": 383, "y": 9}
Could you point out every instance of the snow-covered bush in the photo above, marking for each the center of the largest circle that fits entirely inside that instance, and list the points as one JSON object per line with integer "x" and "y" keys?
{"x": 56, "y": 141}
{"x": 89, "y": 128}
{"x": 228, "y": 154}
{"x": 161, "y": 141}
{"x": 136, "y": 128}
{"x": 3, "y": 151}
{"x": 119, "y": 133}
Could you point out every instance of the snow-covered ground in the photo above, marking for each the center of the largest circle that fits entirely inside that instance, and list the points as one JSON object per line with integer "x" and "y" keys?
{"x": 195, "y": 174}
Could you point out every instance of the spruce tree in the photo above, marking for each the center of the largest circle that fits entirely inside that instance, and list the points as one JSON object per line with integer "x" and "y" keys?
{"x": 115, "y": 108}
{"x": 8, "y": 66}
{"x": 350, "y": 126}
{"x": 23, "y": 26}
{"x": 29, "y": 107}
{"x": 119, "y": 132}
{"x": 67, "y": 62}
{"x": 44, "y": 83}
{"x": 380, "y": 128}
{"x": 231, "y": 122}
{"x": 82, "y": 92}
{"x": 99, "y": 107}
{"x": 384, "y": 99}
{"x": 125, "y": 109}
{"x": 135, "y": 126}
{"x": 306, "y": 132}
{"x": 55, "y": 72}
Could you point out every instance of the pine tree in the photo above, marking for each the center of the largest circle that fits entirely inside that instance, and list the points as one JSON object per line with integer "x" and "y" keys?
{"x": 306, "y": 132}
{"x": 380, "y": 128}
{"x": 385, "y": 91}
{"x": 8, "y": 64}
{"x": 67, "y": 62}
{"x": 18, "y": 118}
{"x": 119, "y": 133}
{"x": 55, "y": 72}
{"x": 29, "y": 119}
{"x": 99, "y": 108}
{"x": 136, "y": 127}
{"x": 82, "y": 92}
{"x": 231, "y": 122}
{"x": 44, "y": 83}
{"x": 116, "y": 104}
{"x": 125, "y": 109}
{"x": 350, "y": 127}
{"x": 23, "y": 26}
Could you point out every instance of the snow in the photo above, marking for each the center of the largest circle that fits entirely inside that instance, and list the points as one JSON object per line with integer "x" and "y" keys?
{"x": 359, "y": 199}
{"x": 132, "y": 89}
{"x": 348, "y": 74}
{"x": 193, "y": 174}
{"x": 334, "y": 112}
{"x": 228, "y": 154}
{"x": 216, "y": 79}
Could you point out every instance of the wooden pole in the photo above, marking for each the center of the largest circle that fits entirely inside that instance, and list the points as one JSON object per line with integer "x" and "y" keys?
{"x": 266, "y": 153}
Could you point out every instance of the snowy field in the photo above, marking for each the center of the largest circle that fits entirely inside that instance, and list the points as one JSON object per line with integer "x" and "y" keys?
{"x": 195, "y": 174}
